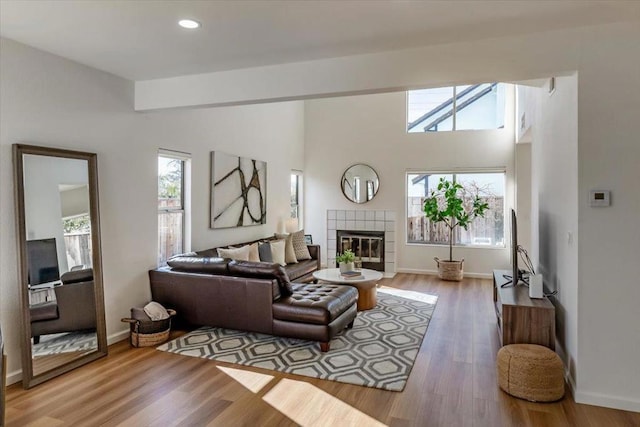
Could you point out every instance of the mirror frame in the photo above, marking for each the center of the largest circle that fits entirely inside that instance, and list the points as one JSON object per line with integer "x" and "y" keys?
{"x": 19, "y": 150}
{"x": 343, "y": 179}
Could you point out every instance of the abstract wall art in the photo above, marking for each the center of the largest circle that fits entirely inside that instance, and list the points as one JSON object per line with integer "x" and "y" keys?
{"x": 238, "y": 191}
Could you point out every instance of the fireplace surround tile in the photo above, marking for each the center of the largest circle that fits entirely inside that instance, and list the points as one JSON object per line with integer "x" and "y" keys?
{"x": 362, "y": 220}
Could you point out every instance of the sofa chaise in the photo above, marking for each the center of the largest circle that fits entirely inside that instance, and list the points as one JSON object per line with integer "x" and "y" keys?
{"x": 254, "y": 296}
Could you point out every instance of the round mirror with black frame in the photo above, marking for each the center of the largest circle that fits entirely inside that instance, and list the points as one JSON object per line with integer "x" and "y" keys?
{"x": 360, "y": 183}
{"x": 60, "y": 267}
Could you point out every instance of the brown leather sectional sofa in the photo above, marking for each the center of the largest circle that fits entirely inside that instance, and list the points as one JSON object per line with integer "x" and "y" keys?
{"x": 73, "y": 309}
{"x": 255, "y": 296}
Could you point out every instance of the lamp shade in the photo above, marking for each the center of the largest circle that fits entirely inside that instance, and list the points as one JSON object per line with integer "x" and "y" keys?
{"x": 291, "y": 225}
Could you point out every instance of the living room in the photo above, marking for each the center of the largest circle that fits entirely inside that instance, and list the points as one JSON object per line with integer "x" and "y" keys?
{"x": 53, "y": 101}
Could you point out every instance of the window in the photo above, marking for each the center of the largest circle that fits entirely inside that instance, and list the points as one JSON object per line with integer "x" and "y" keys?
{"x": 468, "y": 107}
{"x": 486, "y": 231}
{"x": 172, "y": 205}
{"x": 296, "y": 195}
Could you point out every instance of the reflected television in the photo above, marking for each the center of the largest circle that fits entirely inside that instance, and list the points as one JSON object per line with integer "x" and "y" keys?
{"x": 42, "y": 260}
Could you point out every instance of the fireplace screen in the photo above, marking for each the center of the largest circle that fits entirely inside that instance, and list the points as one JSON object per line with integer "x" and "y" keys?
{"x": 367, "y": 246}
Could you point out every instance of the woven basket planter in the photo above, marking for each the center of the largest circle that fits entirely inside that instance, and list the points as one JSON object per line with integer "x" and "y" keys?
{"x": 450, "y": 270}
{"x": 149, "y": 333}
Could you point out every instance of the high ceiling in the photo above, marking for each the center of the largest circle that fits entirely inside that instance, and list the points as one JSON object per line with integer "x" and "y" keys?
{"x": 140, "y": 39}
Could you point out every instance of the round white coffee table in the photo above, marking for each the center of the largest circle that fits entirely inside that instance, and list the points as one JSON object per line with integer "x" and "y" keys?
{"x": 366, "y": 284}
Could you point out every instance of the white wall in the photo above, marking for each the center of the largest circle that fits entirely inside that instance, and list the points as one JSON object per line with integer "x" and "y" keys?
{"x": 371, "y": 129}
{"x": 608, "y": 154}
{"x": 50, "y": 101}
{"x": 555, "y": 174}
{"x": 523, "y": 196}
{"x": 75, "y": 202}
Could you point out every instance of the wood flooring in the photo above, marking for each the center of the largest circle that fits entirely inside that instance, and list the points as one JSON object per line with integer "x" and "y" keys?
{"x": 453, "y": 383}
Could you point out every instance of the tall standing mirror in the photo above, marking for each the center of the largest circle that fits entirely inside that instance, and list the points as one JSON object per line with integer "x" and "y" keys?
{"x": 359, "y": 183}
{"x": 60, "y": 269}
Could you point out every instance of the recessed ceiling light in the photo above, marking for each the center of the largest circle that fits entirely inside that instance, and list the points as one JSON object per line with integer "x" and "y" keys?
{"x": 189, "y": 24}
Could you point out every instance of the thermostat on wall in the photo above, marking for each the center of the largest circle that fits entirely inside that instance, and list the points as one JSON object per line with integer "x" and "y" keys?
{"x": 599, "y": 198}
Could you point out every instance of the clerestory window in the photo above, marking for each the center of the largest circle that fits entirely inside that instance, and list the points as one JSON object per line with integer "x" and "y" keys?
{"x": 466, "y": 107}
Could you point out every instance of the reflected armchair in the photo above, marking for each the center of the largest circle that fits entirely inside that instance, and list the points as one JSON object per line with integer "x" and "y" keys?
{"x": 73, "y": 309}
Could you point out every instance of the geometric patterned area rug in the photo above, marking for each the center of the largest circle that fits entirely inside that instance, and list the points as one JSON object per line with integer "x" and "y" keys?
{"x": 65, "y": 343}
{"x": 379, "y": 351}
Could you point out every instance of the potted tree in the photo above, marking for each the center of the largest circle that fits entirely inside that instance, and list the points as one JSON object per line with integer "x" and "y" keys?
{"x": 447, "y": 205}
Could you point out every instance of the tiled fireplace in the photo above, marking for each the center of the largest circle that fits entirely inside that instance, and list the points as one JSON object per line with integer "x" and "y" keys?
{"x": 371, "y": 234}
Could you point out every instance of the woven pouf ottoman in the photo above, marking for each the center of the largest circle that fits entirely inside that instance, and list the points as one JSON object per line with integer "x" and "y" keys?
{"x": 531, "y": 372}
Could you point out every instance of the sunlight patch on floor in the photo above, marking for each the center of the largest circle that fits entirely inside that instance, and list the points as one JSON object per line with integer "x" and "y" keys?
{"x": 412, "y": 295}
{"x": 307, "y": 405}
{"x": 253, "y": 381}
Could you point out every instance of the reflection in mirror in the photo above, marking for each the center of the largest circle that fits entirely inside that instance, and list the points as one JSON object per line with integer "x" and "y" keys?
{"x": 360, "y": 183}
{"x": 60, "y": 267}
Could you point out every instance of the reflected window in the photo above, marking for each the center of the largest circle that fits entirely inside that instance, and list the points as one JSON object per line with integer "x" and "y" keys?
{"x": 172, "y": 219}
{"x": 77, "y": 239}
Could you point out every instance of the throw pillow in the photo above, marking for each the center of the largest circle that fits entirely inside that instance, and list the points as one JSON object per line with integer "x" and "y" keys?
{"x": 299, "y": 246}
{"x": 264, "y": 250}
{"x": 277, "y": 252}
{"x": 241, "y": 254}
{"x": 254, "y": 255}
{"x": 289, "y": 252}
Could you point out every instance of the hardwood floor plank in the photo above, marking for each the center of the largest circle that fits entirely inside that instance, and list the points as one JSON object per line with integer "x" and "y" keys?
{"x": 452, "y": 383}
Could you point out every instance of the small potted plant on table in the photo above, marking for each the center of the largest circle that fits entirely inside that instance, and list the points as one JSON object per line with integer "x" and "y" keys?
{"x": 446, "y": 205}
{"x": 346, "y": 260}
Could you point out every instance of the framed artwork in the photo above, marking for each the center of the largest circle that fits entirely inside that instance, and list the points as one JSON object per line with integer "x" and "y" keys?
{"x": 238, "y": 191}
{"x": 308, "y": 240}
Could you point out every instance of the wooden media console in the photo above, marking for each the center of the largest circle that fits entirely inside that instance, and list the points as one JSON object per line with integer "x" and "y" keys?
{"x": 522, "y": 320}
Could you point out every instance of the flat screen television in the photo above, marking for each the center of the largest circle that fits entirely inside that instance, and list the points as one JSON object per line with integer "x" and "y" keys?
{"x": 515, "y": 272}
{"x": 42, "y": 256}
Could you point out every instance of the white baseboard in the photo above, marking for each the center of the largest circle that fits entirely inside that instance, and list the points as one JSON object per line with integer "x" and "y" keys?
{"x": 607, "y": 401}
{"x": 435, "y": 273}
{"x": 16, "y": 376}
{"x": 596, "y": 399}
{"x": 117, "y": 337}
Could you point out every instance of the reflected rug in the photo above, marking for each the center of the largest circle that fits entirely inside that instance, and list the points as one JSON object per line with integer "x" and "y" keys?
{"x": 64, "y": 343}
{"x": 379, "y": 351}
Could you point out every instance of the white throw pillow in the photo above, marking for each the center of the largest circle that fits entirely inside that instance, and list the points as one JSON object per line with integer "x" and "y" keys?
{"x": 254, "y": 255}
{"x": 289, "y": 251}
{"x": 240, "y": 254}
{"x": 277, "y": 251}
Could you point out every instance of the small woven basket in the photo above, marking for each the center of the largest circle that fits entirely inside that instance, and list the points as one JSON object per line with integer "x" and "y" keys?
{"x": 450, "y": 270}
{"x": 149, "y": 333}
